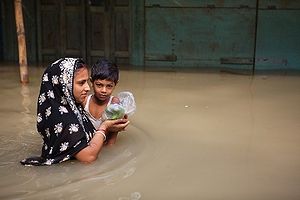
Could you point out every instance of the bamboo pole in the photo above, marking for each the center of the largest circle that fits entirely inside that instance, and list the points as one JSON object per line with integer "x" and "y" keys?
{"x": 24, "y": 78}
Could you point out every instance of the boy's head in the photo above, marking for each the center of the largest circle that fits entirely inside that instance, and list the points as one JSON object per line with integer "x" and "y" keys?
{"x": 104, "y": 77}
{"x": 104, "y": 69}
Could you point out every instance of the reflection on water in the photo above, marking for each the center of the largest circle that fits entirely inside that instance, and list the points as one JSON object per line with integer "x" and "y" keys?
{"x": 194, "y": 136}
{"x": 132, "y": 196}
{"x": 26, "y": 101}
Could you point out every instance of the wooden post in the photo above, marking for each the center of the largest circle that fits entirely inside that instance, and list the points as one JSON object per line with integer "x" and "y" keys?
{"x": 21, "y": 42}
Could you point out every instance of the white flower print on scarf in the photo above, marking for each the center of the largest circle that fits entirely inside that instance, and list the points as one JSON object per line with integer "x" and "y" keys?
{"x": 64, "y": 146}
{"x": 58, "y": 128}
{"x": 73, "y": 128}
{"x": 45, "y": 77}
{"x": 55, "y": 80}
{"x": 48, "y": 112}
{"x": 42, "y": 98}
{"x": 47, "y": 131}
{"x": 50, "y": 94}
{"x": 39, "y": 118}
{"x": 49, "y": 162}
{"x": 64, "y": 101}
{"x": 62, "y": 109}
{"x": 65, "y": 158}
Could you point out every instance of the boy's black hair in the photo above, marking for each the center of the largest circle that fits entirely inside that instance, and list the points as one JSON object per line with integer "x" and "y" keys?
{"x": 105, "y": 69}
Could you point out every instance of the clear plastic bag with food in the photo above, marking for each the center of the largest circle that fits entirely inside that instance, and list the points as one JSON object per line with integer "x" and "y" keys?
{"x": 126, "y": 106}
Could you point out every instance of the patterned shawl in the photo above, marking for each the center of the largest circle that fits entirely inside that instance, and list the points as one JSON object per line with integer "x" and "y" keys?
{"x": 61, "y": 122}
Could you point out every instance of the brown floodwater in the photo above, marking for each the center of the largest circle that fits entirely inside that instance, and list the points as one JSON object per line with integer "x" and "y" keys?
{"x": 195, "y": 135}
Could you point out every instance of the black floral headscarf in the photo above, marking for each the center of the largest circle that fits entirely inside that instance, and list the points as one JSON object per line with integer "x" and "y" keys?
{"x": 60, "y": 120}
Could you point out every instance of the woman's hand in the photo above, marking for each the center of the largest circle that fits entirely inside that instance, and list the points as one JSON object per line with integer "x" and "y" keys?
{"x": 116, "y": 125}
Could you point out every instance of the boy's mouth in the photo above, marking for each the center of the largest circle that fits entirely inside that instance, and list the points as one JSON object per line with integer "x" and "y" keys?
{"x": 103, "y": 96}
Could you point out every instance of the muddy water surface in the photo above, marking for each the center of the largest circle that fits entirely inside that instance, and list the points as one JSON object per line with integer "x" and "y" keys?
{"x": 193, "y": 136}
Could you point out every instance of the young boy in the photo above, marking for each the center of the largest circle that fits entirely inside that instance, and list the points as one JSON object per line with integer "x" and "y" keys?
{"x": 104, "y": 78}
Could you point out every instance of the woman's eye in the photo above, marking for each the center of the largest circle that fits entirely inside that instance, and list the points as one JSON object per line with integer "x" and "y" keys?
{"x": 83, "y": 82}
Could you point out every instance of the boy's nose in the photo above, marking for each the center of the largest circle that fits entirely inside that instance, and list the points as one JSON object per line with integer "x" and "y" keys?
{"x": 103, "y": 89}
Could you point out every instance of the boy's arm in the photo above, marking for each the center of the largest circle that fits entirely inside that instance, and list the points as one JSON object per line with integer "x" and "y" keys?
{"x": 112, "y": 138}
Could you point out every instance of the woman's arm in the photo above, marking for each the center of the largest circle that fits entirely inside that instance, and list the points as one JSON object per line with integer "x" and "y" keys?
{"x": 90, "y": 153}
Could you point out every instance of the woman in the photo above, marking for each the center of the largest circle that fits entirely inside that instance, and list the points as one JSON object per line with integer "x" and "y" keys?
{"x": 67, "y": 132}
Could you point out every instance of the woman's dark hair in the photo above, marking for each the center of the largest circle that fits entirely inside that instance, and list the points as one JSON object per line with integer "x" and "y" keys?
{"x": 80, "y": 64}
{"x": 104, "y": 69}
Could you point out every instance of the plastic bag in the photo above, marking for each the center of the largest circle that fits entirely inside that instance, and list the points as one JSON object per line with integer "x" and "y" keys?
{"x": 126, "y": 106}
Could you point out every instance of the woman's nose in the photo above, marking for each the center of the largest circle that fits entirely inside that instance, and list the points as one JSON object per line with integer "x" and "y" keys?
{"x": 87, "y": 87}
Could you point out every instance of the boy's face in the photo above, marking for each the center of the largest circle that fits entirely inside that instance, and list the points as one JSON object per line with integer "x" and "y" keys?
{"x": 103, "y": 89}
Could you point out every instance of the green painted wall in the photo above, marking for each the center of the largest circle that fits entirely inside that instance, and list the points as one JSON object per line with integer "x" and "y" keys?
{"x": 245, "y": 34}
{"x": 137, "y": 22}
{"x": 200, "y": 37}
{"x": 278, "y": 41}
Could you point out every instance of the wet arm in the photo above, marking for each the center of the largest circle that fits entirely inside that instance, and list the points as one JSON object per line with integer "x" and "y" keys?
{"x": 90, "y": 153}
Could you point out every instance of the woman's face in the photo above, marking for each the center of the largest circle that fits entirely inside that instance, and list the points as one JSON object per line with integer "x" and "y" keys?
{"x": 80, "y": 85}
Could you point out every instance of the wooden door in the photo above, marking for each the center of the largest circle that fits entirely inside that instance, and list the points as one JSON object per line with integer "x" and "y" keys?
{"x": 108, "y": 30}
{"x": 87, "y": 29}
{"x": 61, "y": 29}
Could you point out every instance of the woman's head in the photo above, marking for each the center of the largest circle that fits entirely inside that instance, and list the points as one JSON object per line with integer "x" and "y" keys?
{"x": 64, "y": 83}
